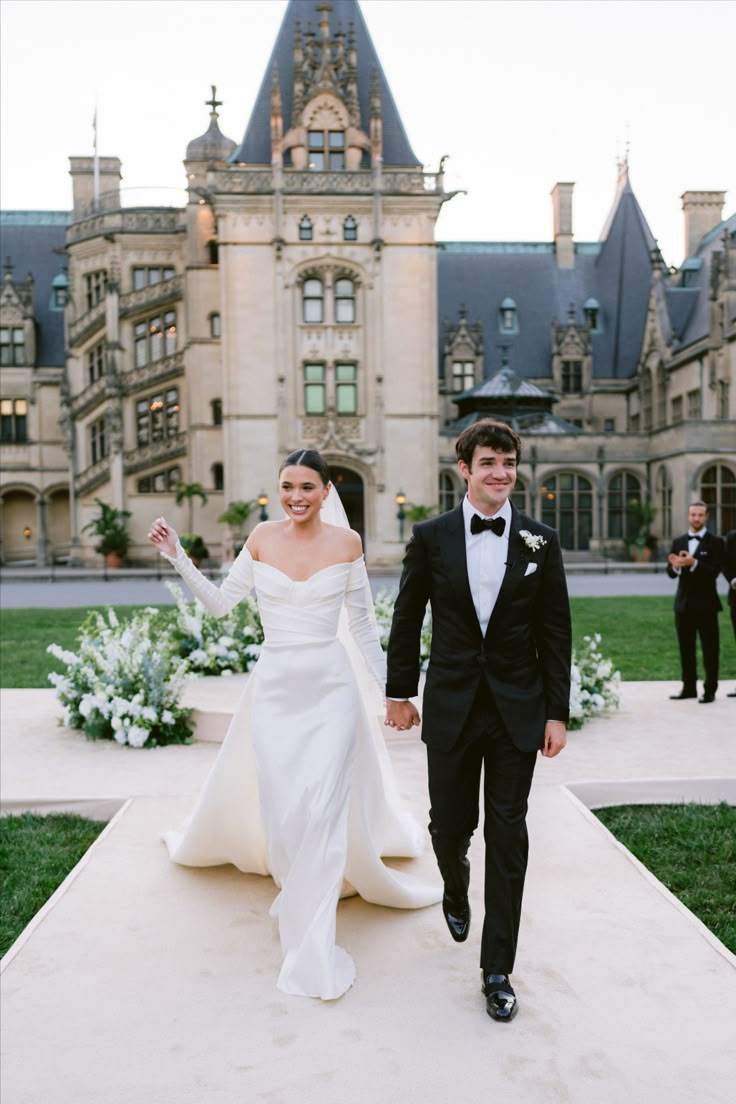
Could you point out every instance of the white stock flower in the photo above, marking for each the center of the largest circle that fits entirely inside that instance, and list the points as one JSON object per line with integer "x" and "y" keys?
{"x": 535, "y": 541}
{"x": 137, "y": 736}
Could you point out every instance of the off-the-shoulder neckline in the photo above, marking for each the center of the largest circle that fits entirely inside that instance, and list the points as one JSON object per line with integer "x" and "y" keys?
{"x": 342, "y": 563}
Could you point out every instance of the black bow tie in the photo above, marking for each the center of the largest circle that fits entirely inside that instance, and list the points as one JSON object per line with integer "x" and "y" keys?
{"x": 496, "y": 525}
{"x": 694, "y": 536}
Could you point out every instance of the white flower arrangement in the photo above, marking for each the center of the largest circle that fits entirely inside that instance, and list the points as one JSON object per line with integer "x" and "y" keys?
{"x": 534, "y": 541}
{"x": 383, "y": 604}
{"x": 211, "y": 645}
{"x": 124, "y": 683}
{"x": 594, "y": 685}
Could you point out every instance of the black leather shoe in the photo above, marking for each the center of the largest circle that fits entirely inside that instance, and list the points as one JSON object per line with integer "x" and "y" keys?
{"x": 501, "y": 1002}
{"x": 682, "y": 695}
{"x": 732, "y": 694}
{"x": 706, "y": 698}
{"x": 457, "y": 916}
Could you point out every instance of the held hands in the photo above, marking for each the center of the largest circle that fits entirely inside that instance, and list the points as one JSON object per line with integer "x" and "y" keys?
{"x": 163, "y": 536}
{"x": 401, "y": 715}
{"x": 555, "y": 738}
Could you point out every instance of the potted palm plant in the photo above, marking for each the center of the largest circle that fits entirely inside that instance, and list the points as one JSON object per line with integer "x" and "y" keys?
{"x": 235, "y": 518}
{"x": 642, "y": 545}
{"x": 191, "y": 542}
{"x": 109, "y": 526}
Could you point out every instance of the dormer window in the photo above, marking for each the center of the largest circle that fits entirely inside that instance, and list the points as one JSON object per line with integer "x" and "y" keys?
{"x": 592, "y": 314}
{"x": 305, "y": 228}
{"x": 350, "y": 229}
{"x": 326, "y": 150}
{"x": 690, "y": 271}
{"x": 508, "y": 321}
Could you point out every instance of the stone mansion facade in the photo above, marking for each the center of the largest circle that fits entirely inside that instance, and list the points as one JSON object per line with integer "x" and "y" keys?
{"x": 300, "y": 297}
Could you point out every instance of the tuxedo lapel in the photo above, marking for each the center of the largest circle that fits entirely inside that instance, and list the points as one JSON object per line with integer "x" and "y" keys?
{"x": 455, "y": 561}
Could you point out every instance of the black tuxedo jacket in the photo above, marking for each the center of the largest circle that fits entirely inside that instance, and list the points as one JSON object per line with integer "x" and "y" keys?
{"x": 696, "y": 587}
{"x": 729, "y": 563}
{"x": 525, "y": 654}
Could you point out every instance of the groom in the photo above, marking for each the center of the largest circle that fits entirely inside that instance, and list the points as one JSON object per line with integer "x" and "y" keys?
{"x": 497, "y": 688}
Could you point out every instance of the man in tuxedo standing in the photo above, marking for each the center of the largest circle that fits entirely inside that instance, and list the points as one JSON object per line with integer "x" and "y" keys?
{"x": 729, "y": 570}
{"x": 497, "y": 688}
{"x": 695, "y": 560}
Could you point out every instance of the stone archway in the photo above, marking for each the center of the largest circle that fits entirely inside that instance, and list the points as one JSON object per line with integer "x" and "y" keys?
{"x": 351, "y": 489}
{"x": 19, "y": 526}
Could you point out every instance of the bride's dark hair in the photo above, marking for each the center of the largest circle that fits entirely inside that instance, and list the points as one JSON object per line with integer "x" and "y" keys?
{"x": 308, "y": 458}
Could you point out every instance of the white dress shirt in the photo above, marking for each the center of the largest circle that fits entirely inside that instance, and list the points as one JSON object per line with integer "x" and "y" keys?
{"x": 486, "y": 556}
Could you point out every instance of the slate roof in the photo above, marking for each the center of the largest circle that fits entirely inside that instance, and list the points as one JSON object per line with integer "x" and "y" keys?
{"x": 616, "y": 271}
{"x": 688, "y": 307}
{"x": 255, "y": 147}
{"x": 29, "y": 238}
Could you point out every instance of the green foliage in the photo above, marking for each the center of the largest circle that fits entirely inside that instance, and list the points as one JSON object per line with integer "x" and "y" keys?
{"x": 692, "y": 850}
{"x": 36, "y": 854}
{"x": 194, "y": 546}
{"x": 109, "y": 526}
{"x": 237, "y": 514}
{"x": 212, "y": 645}
{"x": 187, "y": 492}
{"x": 415, "y": 512}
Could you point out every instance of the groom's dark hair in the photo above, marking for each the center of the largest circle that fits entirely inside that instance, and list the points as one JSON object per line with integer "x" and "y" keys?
{"x": 487, "y": 433}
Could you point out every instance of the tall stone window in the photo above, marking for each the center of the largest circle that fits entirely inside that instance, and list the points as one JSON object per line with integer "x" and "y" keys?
{"x": 216, "y": 408}
{"x": 313, "y": 300}
{"x": 346, "y": 388}
{"x": 624, "y": 495}
{"x": 718, "y": 491}
{"x": 97, "y": 440}
{"x": 96, "y": 362}
{"x": 155, "y": 338}
{"x": 350, "y": 229}
{"x": 147, "y": 275}
{"x": 572, "y": 377}
{"x": 664, "y": 501}
{"x": 12, "y": 346}
{"x": 13, "y": 421}
{"x": 520, "y": 495}
{"x": 157, "y": 417}
{"x": 215, "y": 325}
{"x": 95, "y": 286}
{"x": 446, "y": 492}
{"x": 344, "y": 300}
{"x": 567, "y": 505}
{"x": 693, "y": 404}
{"x": 218, "y": 477}
{"x": 314, "y": 389}
{"x": 159, "y": 482}
{"x": 723, "y": 398}
{"x": 463, "y": 375}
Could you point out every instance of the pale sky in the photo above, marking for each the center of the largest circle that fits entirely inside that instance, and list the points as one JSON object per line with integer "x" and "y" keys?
{"x": 519, "y": 93}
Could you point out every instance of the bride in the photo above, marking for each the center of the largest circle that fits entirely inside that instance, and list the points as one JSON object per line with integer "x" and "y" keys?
{"x": 303, "y": 788}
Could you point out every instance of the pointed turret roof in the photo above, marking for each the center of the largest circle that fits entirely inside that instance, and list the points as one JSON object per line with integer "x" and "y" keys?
{"x": 256, "y": 145}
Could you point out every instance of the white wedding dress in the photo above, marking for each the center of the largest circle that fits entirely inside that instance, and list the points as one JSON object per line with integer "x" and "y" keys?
{"x": 303, "y": 788}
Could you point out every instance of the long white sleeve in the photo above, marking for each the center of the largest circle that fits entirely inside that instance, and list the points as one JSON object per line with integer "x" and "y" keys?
{"x": 218, "y": 600}
{"x": 362, "y": 622}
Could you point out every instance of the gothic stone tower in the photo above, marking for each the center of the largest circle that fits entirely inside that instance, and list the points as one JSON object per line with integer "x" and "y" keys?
{"x": 325, "y": 236}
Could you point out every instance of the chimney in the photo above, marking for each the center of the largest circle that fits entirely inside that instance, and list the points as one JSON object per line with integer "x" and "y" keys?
{"x": 82, "y": 172}
{"x": 703, "y": 211}
{"x": 562, "y": 210}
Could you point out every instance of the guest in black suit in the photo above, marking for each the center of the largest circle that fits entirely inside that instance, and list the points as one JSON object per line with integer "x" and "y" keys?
{"x": 497, "y": 689}
{"x": 695, "y": 561}
{"x": 729, "y": 570}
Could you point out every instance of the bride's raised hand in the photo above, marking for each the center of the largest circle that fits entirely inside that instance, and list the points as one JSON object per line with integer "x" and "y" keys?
{"x": 163, "y": 536}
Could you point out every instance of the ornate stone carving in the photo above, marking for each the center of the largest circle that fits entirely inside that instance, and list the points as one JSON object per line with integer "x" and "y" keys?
{"x": 152, "y": 296}
{"x": 92, "y": 476}
{"x": 82, "y": 328}
{"x": 155, "y": 452}
{"x": 150, "y": 375}
{"x": 131, "y": 221}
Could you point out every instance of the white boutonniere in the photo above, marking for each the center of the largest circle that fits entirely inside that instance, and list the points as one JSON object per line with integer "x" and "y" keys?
{"x": 532, "y": 540}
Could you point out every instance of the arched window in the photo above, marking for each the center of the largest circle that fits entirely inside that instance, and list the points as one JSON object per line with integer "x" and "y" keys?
{"x": 718, "y": 491}
{"x": 218, "y": 477}
{"x": 215, "y": 325}
{"x": 216, "y": 407}
{"x": 446, "y": 495}
{"x": 305, "y": 228}
{"x": 508, "y": 321}
{"x": 344, "y": 300}
{"x": 313, "y": 297}
{"x": 624, "y": 495}
{"x": 350, "y": 229}
{"x": 664, "y": 500}
{"x": 567, "y": 505}
{"x": 519, "y": 497}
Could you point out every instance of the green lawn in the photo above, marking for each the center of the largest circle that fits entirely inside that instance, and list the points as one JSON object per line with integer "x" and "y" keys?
{"x": 692, "y": 850}
{"x": 36, "y": 854}
{"x": 638, "y": 635}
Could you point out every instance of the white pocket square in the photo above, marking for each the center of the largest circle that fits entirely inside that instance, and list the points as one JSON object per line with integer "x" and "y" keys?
{"x": 530, "y": 569}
